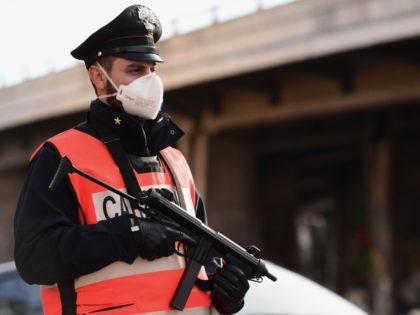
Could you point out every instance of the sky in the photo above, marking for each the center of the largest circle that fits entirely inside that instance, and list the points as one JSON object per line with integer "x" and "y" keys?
{"x": 37, "y": 36}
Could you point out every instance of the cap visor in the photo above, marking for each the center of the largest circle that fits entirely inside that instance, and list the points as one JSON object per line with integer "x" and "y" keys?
{"x": 141, "y": 57}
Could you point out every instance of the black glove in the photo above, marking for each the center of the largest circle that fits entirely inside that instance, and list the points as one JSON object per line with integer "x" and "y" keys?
{"x": 158, "y": 240}
{"x": 229, "y": 288}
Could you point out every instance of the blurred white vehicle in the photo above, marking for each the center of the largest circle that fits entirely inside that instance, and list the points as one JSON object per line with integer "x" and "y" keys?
{"x": 291, "y": 294}
{"x": 17, "y": 297}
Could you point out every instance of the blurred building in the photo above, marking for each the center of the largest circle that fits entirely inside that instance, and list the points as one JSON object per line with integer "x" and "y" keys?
{"x": 303, "y": 131}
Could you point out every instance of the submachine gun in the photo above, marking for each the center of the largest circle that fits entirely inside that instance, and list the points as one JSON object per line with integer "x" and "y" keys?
{"x": 207, "y": 243}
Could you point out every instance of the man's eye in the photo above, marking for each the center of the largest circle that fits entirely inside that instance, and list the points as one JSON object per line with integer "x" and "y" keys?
{"x": 141, "y": 69}
{"x": 136, "y": 70}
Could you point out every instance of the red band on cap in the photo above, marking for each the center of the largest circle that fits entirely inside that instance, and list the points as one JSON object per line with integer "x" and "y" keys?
{"x": 130, "y": 36}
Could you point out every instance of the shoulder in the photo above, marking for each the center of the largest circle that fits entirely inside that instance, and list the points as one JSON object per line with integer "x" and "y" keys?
{"x": 69, "y": 136}
{"x": 47, "y": 143}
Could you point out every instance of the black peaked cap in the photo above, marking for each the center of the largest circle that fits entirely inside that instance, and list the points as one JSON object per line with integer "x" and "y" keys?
{"x": 131, "y": 35}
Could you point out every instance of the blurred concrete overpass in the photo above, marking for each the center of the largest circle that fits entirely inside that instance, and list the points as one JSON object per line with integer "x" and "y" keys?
{"x": 290, "y": 33}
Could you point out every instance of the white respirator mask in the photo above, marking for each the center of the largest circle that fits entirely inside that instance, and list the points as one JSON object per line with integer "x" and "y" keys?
{"x": 143, "y": 97}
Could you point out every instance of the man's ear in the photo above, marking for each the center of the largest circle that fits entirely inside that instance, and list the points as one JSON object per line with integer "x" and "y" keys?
{"x": 98, "y": 79}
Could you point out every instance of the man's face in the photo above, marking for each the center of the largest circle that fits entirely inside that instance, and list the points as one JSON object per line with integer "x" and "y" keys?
{"x": 123, "y": 72}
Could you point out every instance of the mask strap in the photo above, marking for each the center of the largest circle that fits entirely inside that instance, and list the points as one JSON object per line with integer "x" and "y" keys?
{"x": 108, "y": 77}
{"x": 107, "y": 95}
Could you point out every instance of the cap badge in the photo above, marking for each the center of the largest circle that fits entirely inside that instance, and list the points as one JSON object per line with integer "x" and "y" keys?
{"x": 148, "y": 18}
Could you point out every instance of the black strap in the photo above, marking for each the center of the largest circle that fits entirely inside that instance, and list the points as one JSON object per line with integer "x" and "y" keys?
{"x": 130, "y": 179}
{"x": 115, "y": 149}
{"x": 67, "y": 297}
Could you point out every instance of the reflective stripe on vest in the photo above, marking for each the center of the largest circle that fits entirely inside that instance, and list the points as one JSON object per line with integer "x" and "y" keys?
{"x": 121, "y": 288}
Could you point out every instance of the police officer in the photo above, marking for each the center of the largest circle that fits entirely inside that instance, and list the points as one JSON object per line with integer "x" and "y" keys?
{"x": 92, "y": 251}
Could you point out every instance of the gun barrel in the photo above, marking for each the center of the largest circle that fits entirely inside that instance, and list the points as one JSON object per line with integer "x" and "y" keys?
{"x": 271, "y": 277}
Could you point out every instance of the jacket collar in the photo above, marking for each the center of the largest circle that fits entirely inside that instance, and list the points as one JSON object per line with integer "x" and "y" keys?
{"x": 138, "y": 136}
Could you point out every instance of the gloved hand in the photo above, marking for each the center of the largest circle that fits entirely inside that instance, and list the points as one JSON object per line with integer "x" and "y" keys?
{"x": 229, "y": 288}
{"x": 157, "y": 240}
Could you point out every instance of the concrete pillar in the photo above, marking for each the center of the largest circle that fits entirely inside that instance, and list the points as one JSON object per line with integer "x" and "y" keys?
{"x": 199, "y": 154}
{"x": 379, "y": 167}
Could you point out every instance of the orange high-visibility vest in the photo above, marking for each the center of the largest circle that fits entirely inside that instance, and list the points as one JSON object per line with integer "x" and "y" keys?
{"x": 144, "y": 286}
